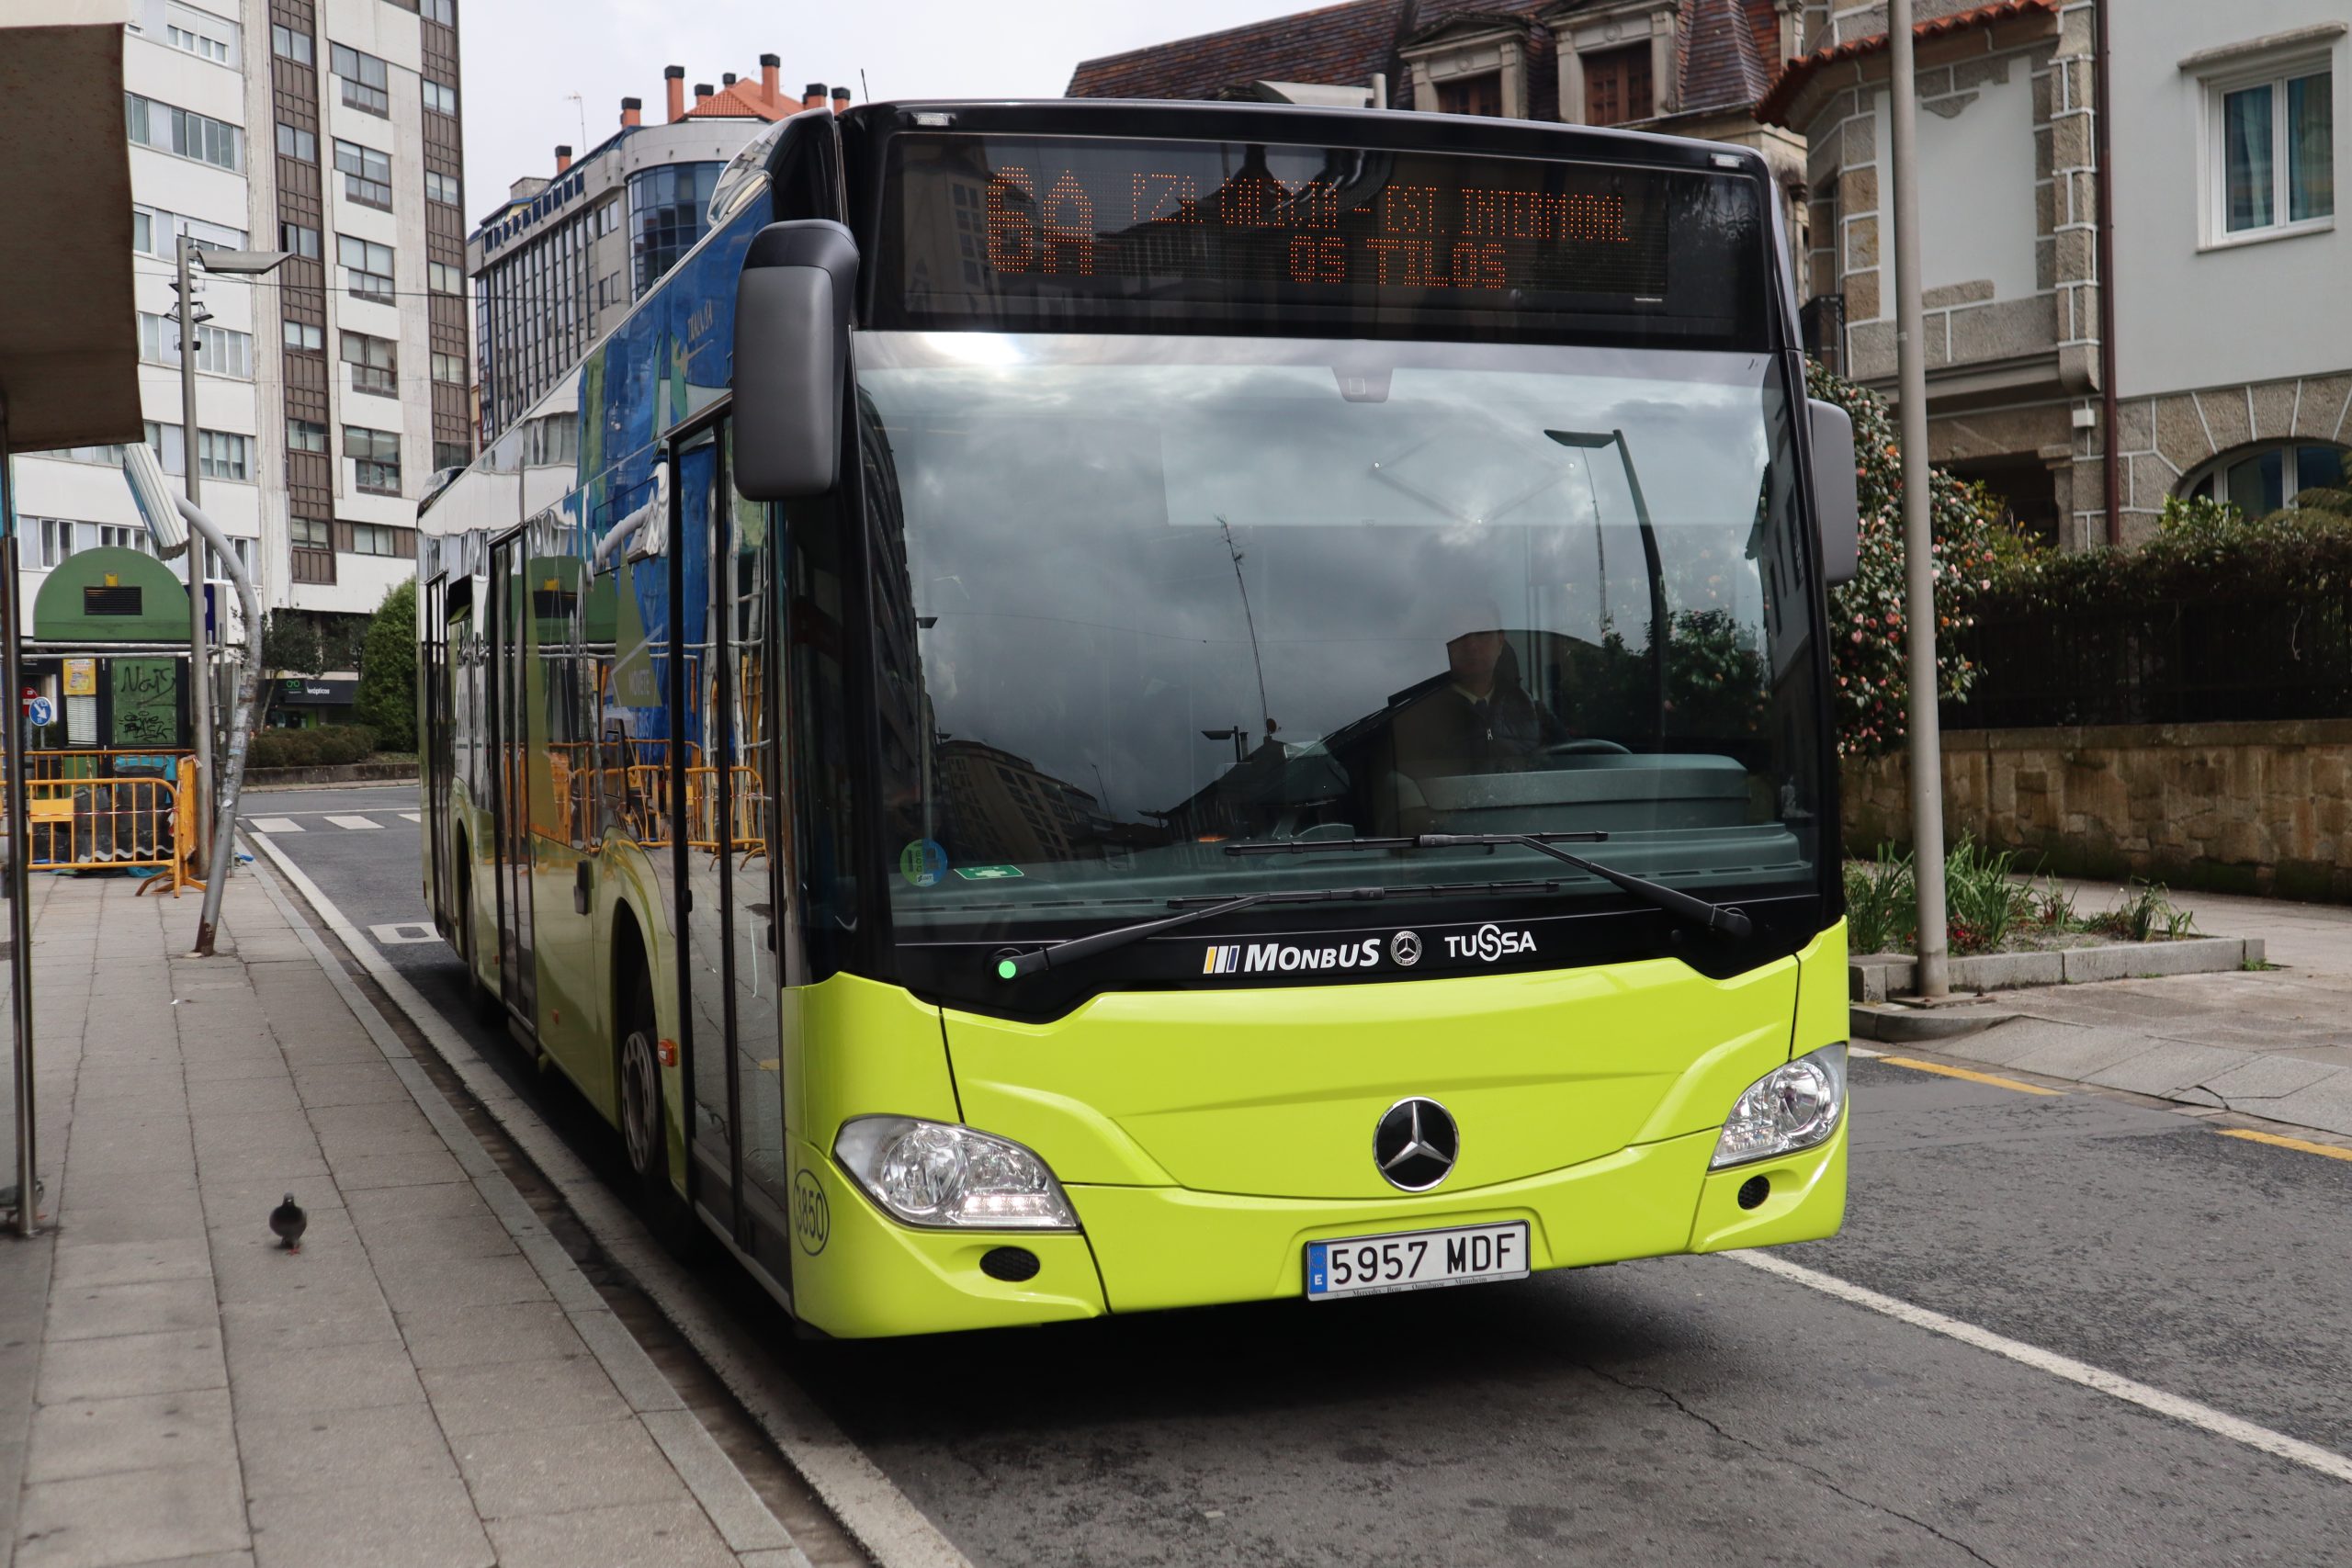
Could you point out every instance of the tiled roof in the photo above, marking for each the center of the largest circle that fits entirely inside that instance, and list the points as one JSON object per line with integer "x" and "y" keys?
{"x": 742, "y": 99}
{"x": 1726, "y": 54}
{"x": 1800, "y": 71}
{"x": 1724, "y": 61}
{"x": 1338, "y": 45}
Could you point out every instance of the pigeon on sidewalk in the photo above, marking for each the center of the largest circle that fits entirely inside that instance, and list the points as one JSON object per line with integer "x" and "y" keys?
{"x": 289, "y": 1222}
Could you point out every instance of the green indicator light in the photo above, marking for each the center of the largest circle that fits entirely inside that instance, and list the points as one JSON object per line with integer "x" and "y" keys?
{"x": 1006, "y": 969}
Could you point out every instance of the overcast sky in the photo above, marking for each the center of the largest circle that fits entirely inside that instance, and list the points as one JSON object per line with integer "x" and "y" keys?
{"x": 520, "y": 58}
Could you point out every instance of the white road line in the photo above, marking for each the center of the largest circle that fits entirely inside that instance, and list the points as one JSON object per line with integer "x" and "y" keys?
{"x": 2189, "y": 1412}
{"x": 1864, "y": 1052}
{"x": 355, "y": 822}
{"x": 866, "y": 1502}
{"x": 410, "y": 817}
{"x": 273, "y": 825}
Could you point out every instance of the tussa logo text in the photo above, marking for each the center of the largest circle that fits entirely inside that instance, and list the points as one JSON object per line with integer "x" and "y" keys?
{"x": 1270, "y": 957}
{"x": 1489, "y": 942}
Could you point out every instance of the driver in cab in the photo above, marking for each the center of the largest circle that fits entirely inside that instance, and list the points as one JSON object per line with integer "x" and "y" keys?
{"x": 1479, "y": 719}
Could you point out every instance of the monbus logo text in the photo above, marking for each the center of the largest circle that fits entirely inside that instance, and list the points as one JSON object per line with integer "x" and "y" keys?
{"x": 1270, "y": 957}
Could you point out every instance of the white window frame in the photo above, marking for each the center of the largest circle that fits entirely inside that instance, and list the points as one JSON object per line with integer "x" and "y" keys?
{"x": 2273, "y": 70}
{"x": 2215, "y": 471}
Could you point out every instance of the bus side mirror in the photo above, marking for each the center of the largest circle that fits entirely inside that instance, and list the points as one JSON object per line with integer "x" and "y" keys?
{"x": 792, "y": 314}
{"x": 1837, "y": 507}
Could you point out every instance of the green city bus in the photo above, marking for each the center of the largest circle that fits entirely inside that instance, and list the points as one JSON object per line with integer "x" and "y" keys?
{"x": 1095, "y": 706}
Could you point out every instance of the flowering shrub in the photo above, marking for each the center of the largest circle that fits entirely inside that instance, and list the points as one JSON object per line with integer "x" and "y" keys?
{"x": 1973, "y": 544}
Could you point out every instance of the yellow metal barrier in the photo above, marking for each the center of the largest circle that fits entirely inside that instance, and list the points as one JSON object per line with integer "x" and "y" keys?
{"x": 77, "y": 821}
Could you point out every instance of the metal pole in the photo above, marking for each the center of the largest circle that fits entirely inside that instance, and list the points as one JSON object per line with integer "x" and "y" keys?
{"x": 20, "y": 919}
{"x": 199, "y": 687}
{"x": 223, "y": 854}
{"x": 1918, "y": 558}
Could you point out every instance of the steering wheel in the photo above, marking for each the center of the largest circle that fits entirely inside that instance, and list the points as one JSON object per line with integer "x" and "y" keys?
{"x": 1576, "y": 748}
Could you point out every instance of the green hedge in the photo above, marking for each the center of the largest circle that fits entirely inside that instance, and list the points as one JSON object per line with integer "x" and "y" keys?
{"x": 326, "y": 747}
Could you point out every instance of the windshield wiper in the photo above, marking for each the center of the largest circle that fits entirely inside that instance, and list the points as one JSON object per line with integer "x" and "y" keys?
{"x": 1014, "y": 965}
{"x": 1713, "y": 917}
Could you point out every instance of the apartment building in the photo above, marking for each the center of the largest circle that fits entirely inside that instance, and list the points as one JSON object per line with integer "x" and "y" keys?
{"x": 2218, "y": 364}
{"x": 563, "y": 258}
{"x": 328, "y": 391}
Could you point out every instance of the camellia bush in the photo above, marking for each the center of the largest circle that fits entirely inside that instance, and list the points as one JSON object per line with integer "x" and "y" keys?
{"x": 1973, "y": 544}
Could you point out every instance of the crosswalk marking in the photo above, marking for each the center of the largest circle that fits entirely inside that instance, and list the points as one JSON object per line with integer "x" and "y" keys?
{"x": 410, "y": 817}
{"x": 353, "y": 822}
{"x": 276, "y": 825}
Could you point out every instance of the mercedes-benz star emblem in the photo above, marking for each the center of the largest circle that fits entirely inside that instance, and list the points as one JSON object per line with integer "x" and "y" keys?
{"x": 1405, "y": 949}
{"x": 1415, "y": 1144}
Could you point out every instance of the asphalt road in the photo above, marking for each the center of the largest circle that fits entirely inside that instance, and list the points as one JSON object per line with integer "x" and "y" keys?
{"x": 1676, "y": 1411}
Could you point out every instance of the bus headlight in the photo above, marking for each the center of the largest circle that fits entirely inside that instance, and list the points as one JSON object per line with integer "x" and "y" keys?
{"x": 952, "y": 1177}
{"x": 1792, "y": 1106}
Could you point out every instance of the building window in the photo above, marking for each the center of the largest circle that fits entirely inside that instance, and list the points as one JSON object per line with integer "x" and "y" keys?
{"x": 376, "y": 459}
{"x": 110, "y": 457}
{"x": 1472, "y": 95}
{"x": 440, "y": 100}
{"x": 183, "y": 132}
{"x": 299, "y": 238}
{"x": 2275, "y": 153}
{"x": 223, "y": 456}
{"x": 666, "y": 210}
{"x": 218, "y": 352}
{"x": 367, "y": 87}
{"x": 304, "y": 338}
{"x": 206, "y": 36}
{"x": 295, "y": 142}
{"x": 442, "y": 278}
{"x": 154, "y": 231}
{"x": 310, "y": 533}
{"x": 449, "y": 368}
{"x": 451, "y": 455}
{"x": 367, "y": 174}
{"x": 1617, "y": 86}
{"x": 442, "y": 189}
{"x": 305, "y": 436}
{"x": 373, "y": 366}
{"x": 2262, "y": 479}
{"x": 57, "y": 539}
{"x": 368, "y": 266}
{"x": 288, "y": 44}
{"x": 442, "y": 11}
{"x": 379, "y": 539}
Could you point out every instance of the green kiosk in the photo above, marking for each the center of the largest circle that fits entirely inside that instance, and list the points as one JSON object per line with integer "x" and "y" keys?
{"x": 109, "y": 655}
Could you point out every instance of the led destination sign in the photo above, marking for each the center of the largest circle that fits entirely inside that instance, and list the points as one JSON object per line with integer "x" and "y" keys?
{"x": 1024, "y": 230}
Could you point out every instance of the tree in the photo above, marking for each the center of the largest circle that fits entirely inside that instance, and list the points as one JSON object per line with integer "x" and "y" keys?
{"x": 1973, "y": 540}
{"x": 387, "y": 702}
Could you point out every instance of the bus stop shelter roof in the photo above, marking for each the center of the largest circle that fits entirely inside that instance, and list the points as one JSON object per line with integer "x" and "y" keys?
{"x": 68, "y": 330}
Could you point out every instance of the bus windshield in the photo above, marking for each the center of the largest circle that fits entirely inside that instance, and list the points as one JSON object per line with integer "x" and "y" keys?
{"x": 1142, "y": 600}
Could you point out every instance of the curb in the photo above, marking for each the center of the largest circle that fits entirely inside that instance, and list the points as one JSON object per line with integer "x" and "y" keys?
{"x": 867, "y": 1503}
{"x": 329, "y": 774}
{"x": 739, "y": 1514}
{"x": 1874, "y": 977}
{"x": 1896, "y": 1025}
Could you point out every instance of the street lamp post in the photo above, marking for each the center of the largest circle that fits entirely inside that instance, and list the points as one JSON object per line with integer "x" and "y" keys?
{"x": 199, "y": 684}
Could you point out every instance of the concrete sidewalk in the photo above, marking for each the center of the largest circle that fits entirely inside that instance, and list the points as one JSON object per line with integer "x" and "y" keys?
{"x": 2274, "y": 1044}
{"x": 431, "y": 1381}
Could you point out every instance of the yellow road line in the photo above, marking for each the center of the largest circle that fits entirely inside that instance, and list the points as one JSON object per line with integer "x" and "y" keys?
{"x": 1942, "y": 1071}
{"x": 2330, "y": 1150}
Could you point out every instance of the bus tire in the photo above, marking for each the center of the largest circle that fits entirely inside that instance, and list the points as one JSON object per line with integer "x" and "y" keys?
{"x": 642, "y": 1118}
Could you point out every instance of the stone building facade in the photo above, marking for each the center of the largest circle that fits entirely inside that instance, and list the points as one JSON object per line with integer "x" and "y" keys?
{"x": 2224, "y": 385}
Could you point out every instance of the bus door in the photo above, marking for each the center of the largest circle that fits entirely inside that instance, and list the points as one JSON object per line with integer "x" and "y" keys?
{"x": 435, "y": 741}
{"x": 732, "y": 790}
{"x": 510, "y": 677}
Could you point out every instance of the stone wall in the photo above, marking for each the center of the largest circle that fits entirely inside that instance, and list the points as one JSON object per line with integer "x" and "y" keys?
{"x": 2234, "y": 807}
